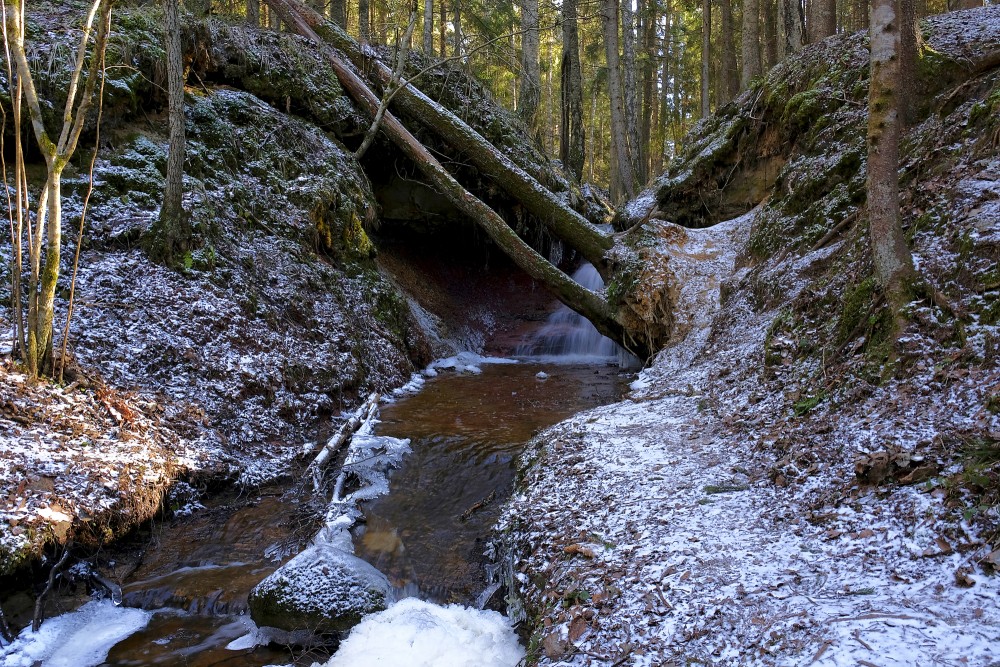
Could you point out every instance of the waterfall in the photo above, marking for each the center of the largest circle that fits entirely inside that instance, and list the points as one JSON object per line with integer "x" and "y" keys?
{"x": 569, "y": 337}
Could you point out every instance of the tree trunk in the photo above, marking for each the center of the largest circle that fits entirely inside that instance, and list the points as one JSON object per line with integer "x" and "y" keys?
{"x": 170, "y": 235}
{"x": 443, "y": 27}
{"x": 531, "y": 79}
{"x": 751, "y": 42}
{"x": 456, "y": 22}
{"x": 730, "y": 78}
{"x": 580, "y": 299}
{"x": 822, "y": 20}
{"x": 631, "y": 93}
{"x": 623, "y": 180}
{"x": 769, "y": 11}
{"x": 964, "y": 4}
{"x": 890, "y": 255}
{"x": 273, "y": 22}
{"x": 572, "y": 151}
{"x": 650, "y": 99}
{"x": 664, "y": 90}
{"x": 319, "y": 6}
{"x": 428, "y": 31}
{"x": 706, "y": 54}
{"x": 909, "y": 46}
{"x": 791, "y": 24}
{"x": 253, "y": 13}
{"x": 338, "y": 12}
{"x": 364, "y": 22}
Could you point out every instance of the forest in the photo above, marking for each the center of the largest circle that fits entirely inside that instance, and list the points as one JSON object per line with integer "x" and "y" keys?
{"x": 489, "y": 332}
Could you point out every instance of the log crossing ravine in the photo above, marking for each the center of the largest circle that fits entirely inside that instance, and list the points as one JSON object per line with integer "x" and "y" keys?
{"x": 427, "y": 535}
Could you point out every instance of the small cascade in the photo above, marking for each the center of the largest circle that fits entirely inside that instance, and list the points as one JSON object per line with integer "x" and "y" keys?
{"x": 568, "y": 337}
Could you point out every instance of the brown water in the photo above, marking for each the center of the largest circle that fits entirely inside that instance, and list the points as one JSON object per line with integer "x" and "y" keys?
{"x": 466, "y": 431}
{"x": 426, "y": 535}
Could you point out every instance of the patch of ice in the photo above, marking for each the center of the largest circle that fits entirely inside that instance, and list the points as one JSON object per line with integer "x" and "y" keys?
{"x": 466, "y": 362}
{"x": 414, "y": 633}
{"x": 79, "y": 639}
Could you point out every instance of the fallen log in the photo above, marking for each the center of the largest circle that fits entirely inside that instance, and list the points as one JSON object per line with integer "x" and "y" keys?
{"x": 361, "y": 416}
{"x": 557, "y": 217}
{"x": 590, "y": 305}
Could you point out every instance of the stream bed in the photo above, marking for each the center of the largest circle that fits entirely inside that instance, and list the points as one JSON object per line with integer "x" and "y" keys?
{"x": 427, "y": 535}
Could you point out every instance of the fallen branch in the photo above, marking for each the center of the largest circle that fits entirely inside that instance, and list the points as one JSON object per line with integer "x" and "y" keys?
{"x": 36, "y": 621}
{"x": 361, "y": 416}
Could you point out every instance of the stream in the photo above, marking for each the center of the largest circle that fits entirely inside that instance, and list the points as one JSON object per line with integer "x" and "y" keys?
{"x": 185, "y": 602}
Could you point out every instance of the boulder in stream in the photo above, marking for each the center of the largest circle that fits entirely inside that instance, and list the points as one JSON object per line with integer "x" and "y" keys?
{"x": 324, "y": 589}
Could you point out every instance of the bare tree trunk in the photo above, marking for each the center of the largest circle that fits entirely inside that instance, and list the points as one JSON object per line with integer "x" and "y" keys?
{"x": 769, "y": 11}
{"x": 338, "y": 12}
{"x": 822, "y": 19}
{"x": 664, "y": 89}
{"x": 319, "y": 6}
{"x": 572, "y": 151}
{"x": 170, "y": 235}
{"x": 273, "y": 22}
{"x": 631, "y": 91}
{"x": 890, "y": 255}
{"x": 456, "y": 22}
{"x": 650, "y": 99}
{"x": 706, "y": 54}
{"x": 364, "y": 22}
{"x": 751, "y": 42}
{"x": 428, "y": 33}
{"x": 253, "y": 13}
{"x": 909, "y": 46}
{"x": 580, "y": 299}
{"x": 730, "y": 78}
{"x": 791, "y": 24}
{"x": 623, "y": 179}
{"x": 964, "y": 4}
{"x": 443, "y": 27}
{"x": 531, "y": 78}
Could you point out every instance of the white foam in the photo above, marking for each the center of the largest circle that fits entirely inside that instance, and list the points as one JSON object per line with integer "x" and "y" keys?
{"x": 78, "y": 639}
{"x": 414, "y": 633}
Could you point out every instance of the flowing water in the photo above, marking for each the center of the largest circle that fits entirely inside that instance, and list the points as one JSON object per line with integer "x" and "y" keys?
{"x": 426, "y": 534}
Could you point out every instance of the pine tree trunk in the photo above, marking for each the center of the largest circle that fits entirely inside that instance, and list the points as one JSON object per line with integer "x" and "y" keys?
{"x": 572, "y": 151}
{"x": 751, "y": 42}
{"x": 791, "y": 24}
{"x": 170, "y": 234}
{"x": 650, "y": 98}
{"x": 623, "y": 181}
{"x": 890, "y": 255}
{"x": 822, "y": 20}
{"x": 364, "y": 21}
{"x": 631, "y": 92}
{"x": 443, "y": 28}
{"x": 319, "y": 6}
{"x": 253, "y": 13}
{"x": 730, "y": 78}
{"x": 456, "y": 22}
{"x": 338, "y": 12}
{"x": 909, "y": 41}
{"x": 769, "y": 11}
{"x": 531, "y": 79}
{"x": 706, "y": 54}
{"x": 428, "y": 32}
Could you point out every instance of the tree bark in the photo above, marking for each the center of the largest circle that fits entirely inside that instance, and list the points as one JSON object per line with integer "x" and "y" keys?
{"x": 530, "y": 92}
{"x": 750, "y": 42}
{"x": 364, "y": 22}
{"x": 338, "y": 12}
{"x": 769, "y": 12}
{"x": 631, "y": 93}
{"x": 428, "y": 28}
{"x": 909, "y": 48}
{"x": 791, "y": 24}
{"x": 171, "y": 233}
{"x": 572, "y": 151}
{"x": 706, "y": 53}
{"x": 890, "y": 255}
{"x": 253, "y": 13}
{"x": 456, "y": 23}
{"x": 623, "y": 179}
{"x": 822, "y": 20}
{"x": 730, "y": 78}
{"x": 587, "y": 303}
{"x": 650, "y": 99}
{"x": 443, "y": 27}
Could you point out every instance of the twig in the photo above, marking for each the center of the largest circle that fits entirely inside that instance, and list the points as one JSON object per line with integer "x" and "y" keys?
{"x": 36, "y": 622}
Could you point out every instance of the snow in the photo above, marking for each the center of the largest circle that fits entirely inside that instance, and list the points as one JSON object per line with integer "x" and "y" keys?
{"x": 79, "y": 639}
{"x": 414, "y": 633}
{"x": 466, "y": 362}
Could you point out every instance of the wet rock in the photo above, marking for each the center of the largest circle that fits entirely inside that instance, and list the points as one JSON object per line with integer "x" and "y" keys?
{"x": 323, "y": 589}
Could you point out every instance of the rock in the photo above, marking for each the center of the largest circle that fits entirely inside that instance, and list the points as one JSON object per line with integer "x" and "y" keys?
{"x": 323, "y": 589}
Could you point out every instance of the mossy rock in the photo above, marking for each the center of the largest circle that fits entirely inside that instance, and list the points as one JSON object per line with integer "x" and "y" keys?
{"x": 324, "y": 589}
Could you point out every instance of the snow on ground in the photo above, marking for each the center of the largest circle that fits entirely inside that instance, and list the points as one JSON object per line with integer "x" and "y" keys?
{"x": 414, "y": 633}
{"x": 79, "y": 639}
{"x": 656, "y": 531}
{"x": 84, "y": 453}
